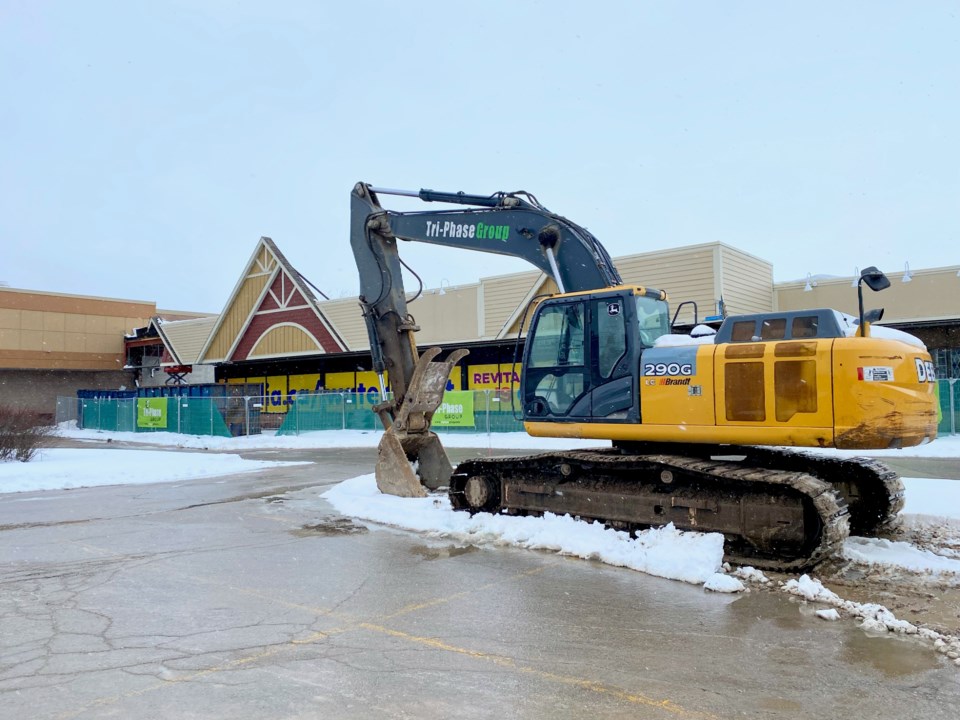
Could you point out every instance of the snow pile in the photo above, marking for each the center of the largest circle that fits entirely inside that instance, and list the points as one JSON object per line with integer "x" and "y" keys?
{"x": 850, "y": 325}
{"x": 719, "y": 582}
{"x": 66, "y": 468}
{"x": 873, "y": 616}
{"x": 695, "y": 338}
{"x": 665, "y": 552}
{"x": 876, "y": 551}
{"x": 830, "y": 614}
{"x": 751, "y": 574}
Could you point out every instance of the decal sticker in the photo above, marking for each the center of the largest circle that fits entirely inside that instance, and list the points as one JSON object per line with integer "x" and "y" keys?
{"x": 669, "y": 362}
{"x": 480, "y": 231}
{"x": 613, "y": 309}
{"x": 926, "y": 371}
{"x": 875, "y": 374}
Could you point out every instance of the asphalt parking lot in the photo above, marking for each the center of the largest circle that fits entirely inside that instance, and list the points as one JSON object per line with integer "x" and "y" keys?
{"x": 250, "y": 597}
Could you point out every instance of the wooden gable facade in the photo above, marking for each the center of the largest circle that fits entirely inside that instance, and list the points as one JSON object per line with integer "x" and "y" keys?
{"x": 270, "y": 314}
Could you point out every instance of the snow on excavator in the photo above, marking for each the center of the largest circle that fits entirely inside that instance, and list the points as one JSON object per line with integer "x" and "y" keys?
{"x": 697, "y": 429}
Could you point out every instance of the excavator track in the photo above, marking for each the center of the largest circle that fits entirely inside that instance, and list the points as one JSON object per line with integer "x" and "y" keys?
{"x": 771, "y": 518}
{"x": 873, "y": 492}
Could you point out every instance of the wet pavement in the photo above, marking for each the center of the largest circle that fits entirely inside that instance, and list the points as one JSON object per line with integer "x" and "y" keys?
{"x": 248, "y": 596}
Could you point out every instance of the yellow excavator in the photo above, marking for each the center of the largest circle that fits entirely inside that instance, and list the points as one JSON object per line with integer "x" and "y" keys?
{"x": 697, "y": 425}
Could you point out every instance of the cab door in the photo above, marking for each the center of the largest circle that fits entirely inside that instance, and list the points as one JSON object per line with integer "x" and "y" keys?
{"x": 578, "y": 363}
{"x": 556, "y": 375}
{"x": 613, "y": 383}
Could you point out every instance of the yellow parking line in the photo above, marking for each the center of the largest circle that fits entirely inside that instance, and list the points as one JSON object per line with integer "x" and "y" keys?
{"x": 510, "y": 663}
{"x": 352, "y": 623}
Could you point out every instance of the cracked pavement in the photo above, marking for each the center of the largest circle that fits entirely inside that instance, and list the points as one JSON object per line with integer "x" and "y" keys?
{"x": 247, "y": 596}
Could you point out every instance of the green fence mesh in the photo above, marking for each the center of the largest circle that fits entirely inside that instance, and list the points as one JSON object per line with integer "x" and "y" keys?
{"x": 949, "y": 407}
{"x": 492, "y": 413}
{"x": 354, "y": 411}
{"x": 186, "y": 415}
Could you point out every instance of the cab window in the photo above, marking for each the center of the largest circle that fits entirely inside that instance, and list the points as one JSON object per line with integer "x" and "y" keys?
{"x": 653, "y": 318}
{"x": 559, "y": 338}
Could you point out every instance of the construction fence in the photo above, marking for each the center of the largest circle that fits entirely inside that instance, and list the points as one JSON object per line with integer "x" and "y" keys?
{"x": 469, "y": 411}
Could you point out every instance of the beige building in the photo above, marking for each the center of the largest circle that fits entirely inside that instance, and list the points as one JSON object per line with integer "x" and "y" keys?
{"x": 275, "y": 332}
{"x": 54, "y": 344}
{"x": 715, "y": 276}
{"x": 925, "y": 303}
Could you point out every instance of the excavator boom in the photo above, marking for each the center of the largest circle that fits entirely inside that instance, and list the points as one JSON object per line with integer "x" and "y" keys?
{"x": 512, "y": 224}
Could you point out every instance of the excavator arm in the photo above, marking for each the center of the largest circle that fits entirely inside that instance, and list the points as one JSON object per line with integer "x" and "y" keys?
{"x": 513, "y": 224}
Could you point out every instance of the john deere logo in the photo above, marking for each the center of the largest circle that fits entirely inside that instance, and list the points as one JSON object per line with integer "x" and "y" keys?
{"x": 479, "y": 231}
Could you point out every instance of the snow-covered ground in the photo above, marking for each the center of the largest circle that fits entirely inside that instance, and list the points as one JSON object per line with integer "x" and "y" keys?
{"x": 944, "y": 447}
{"x": 932, "y": 511}
{"x": 63, "y": 468}
{"x": 324, "y": 439}
{"x": 929, "y": 503}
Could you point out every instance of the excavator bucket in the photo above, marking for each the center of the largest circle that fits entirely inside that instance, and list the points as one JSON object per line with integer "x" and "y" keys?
{"x": 410, "y": 454}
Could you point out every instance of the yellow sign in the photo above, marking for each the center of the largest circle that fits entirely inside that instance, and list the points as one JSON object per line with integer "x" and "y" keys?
{"x": 275, "y": 396}
{"x": 304, "y": 384}
{"x": 279, "y": 391}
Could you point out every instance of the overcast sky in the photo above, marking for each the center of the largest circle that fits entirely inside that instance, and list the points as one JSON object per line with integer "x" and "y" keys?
{"x": 146, "y": 146}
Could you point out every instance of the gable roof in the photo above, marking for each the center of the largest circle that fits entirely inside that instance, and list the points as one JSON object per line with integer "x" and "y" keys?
{"x": 183, "y": 339}
{"x": 270, "y": 294}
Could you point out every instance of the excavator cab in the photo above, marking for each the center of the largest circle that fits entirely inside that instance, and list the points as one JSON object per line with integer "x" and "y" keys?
{"x": 582, "y": 354}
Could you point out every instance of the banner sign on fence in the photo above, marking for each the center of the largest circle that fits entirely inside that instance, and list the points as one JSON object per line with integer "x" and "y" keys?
{"x": 456, "y": 410}
{"x": 152, "y": 412}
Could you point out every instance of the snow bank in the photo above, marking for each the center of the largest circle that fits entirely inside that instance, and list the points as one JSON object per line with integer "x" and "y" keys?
{"x": 665, "y": 552}
{"x": 876, "y": 551}
{"x": 65, "y": 468}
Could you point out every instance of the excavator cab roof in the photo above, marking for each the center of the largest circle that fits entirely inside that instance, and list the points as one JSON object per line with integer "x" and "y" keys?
{"x": 792, "y": 325}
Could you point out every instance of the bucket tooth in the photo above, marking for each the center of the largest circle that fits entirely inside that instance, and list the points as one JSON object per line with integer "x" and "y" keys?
{"x": 434, "y": 466}
{"x": 395, "y": 475}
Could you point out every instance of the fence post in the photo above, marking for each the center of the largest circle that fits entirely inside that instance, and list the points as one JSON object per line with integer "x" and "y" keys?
{"x": 487, "y": 400}
{"x": 343, "y": 411}
{"x": 296, "y": 417}
{"x": 953, "y": 412}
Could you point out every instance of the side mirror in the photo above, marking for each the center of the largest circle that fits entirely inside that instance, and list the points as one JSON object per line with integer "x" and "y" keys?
{"x": 874, "y": 279}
